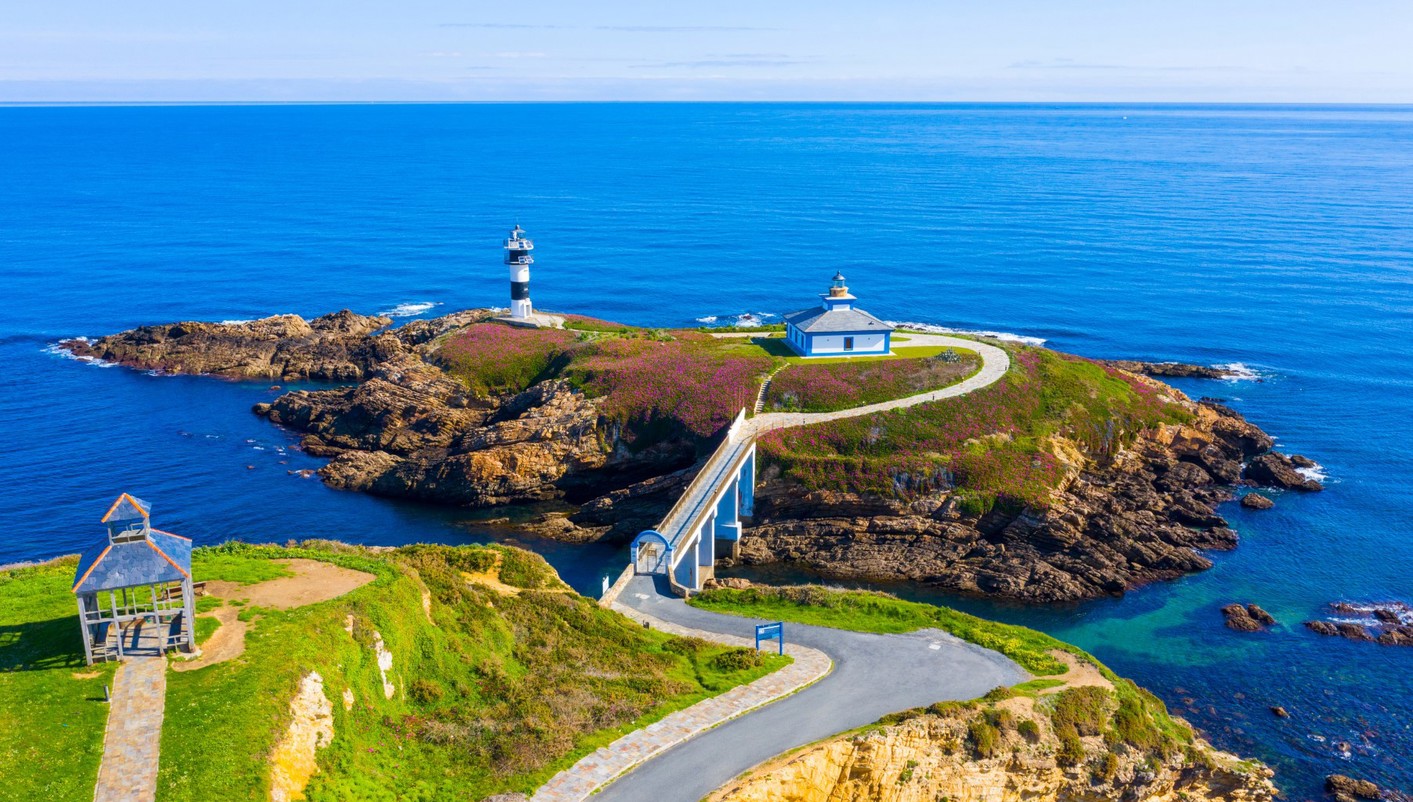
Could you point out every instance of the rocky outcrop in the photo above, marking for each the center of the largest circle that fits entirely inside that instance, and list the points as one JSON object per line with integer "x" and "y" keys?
{"x": 1256, "y": 501}
{"x": 337, "y": 347}
{"x": 1142, "y": 517}
{"x": 1247, "y": 618}
{"x": 1278, "y": 470}
{"x": 962, "y": 756}
{"x": 1171, "y": 370}
{"x": 1347, "y": 789}
{"x": 1386, "y": 623}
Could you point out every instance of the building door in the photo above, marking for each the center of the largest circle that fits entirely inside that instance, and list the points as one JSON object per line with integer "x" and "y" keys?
{"x": 848, "y": 343}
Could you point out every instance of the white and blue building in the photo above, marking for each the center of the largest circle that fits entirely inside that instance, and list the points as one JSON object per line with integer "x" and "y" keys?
{"x": 837, "y": 328}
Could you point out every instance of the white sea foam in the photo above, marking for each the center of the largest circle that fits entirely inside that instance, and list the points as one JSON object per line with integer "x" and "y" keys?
{"x": 707, "y": 319}
{"x": 745, "y": 320}
{"x": 1239, "y": 372}
{"x": 236, "y": 321}
{"x": 1316, "y": 472}
{"x": 411, "y": 309}
{"x": 932, "y": 328}
{"x": 53, "y": 349}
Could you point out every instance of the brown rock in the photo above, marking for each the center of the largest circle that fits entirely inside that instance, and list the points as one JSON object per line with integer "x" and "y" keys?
{"x": 1359, "y": 789}
{"x": 1256, "y": 501}
{"x": 1322, "y": 627}
{"x": 1247, "y": 618}
{"x": 1176, "y": 370}
{"x": 1279, "y": 712}
{"x": 1277, "y": 470}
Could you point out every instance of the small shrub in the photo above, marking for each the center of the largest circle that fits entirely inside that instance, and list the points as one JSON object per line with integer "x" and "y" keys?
{"x": 1001, "y": 719}
{"x": 425, "y": 691}
{"x": 998, "y": 694}
{"x": 1084, "y": 710}
{"x": 985, "y": 739}
{"x": 1071, "y": 751}
{"x": 687, "y": 645}
{"x": 1028, "y": 729}
{"x": 1108, "y": 767}
{"x": 737, "y": 659}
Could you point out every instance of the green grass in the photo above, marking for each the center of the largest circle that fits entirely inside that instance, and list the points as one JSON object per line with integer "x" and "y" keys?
{"x": 1141, "y": 719}
{"x": 495, "y": 693}
{"x": 1008, "y": 443}
{"x": 229, "y": 562}
{"x": 828, "y": 385}
{"x": 51, "y": 713}
{"x": 206, "y": 626}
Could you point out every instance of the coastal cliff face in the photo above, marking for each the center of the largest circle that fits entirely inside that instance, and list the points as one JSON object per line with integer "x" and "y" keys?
{"x": 408, "y": 429}
{"x": 404, "y": 423}
{"x": 1136, "y": 518}
{"x": 934, "y": 756}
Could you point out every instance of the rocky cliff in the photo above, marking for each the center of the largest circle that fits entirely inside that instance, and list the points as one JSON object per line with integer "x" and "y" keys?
{"x": 1141, "y": 516}
{"x": 1007, "y": 752}
{"x": 398, "y": 424}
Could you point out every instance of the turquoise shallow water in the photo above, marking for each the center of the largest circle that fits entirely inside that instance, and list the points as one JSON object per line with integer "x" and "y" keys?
{"x": 1277, "y": 237}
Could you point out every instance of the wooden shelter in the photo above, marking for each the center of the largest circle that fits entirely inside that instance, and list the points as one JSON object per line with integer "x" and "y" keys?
{"x": 134, "y": 587}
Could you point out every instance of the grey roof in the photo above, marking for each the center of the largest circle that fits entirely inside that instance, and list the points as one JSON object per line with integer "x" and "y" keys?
{"x": 818, "y": 320}
{"x": 160, "y": 557}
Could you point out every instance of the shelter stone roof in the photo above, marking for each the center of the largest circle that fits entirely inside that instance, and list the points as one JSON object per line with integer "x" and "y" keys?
{"x": 818, "y": 320}
{"x": 158, "y": 558}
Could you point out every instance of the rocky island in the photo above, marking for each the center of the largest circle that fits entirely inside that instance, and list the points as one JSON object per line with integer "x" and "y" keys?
{"x": 1068, "y": 479}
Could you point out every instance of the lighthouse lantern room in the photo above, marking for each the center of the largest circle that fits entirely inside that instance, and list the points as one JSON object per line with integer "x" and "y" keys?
{"x": 518, "y": 257}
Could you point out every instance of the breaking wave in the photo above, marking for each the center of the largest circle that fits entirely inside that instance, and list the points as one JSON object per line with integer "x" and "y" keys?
{"x": 932, "y": 328}
{"x": 54, "y": 350}
{"x": 411, "y": 309}
{"x": 745, "y": 320}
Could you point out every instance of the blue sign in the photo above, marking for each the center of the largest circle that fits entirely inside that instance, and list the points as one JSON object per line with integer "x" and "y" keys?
{"x": 768, "y": 631}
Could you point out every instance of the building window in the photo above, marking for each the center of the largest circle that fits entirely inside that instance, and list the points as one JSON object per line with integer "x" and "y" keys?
{"x": 848, "y": 343}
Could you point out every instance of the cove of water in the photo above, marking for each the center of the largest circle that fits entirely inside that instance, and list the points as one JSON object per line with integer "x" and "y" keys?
{"x": 1280, "y": 238}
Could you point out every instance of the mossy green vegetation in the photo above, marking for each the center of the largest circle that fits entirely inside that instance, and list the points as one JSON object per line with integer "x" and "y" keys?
{"x": 1127, "y": 714}
{"x": 995, "y": 445}
{"x": 52, "y": 712}
{"x": 494, "y": 689}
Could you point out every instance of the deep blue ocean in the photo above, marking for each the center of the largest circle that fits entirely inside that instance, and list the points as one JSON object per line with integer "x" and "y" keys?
{"x": 1280, "y": 238}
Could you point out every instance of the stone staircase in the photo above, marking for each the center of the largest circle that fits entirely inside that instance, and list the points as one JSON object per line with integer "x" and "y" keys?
{"x": 760, "y": 396}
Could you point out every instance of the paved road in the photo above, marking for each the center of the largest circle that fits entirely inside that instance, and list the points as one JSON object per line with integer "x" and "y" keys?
{"x": 873, "y": 675}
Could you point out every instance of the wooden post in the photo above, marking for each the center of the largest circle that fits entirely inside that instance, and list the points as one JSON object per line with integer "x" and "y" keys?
{"x": 189, "y": 615}
{"x": 87, "y": 633}
{"x": 113, "y": 597}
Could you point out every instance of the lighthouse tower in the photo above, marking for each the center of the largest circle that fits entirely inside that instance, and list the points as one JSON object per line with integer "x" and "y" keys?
{"x": 519, "y": 258}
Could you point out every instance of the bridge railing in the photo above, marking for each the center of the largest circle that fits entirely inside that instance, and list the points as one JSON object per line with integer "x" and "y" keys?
{"x": 733, "y": 436}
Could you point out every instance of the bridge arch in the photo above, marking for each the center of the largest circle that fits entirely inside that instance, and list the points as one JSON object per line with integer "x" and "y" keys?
{"x": 650, "y": 553}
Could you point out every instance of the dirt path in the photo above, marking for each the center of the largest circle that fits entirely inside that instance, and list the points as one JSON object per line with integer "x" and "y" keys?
{"x": 313, "y": 581}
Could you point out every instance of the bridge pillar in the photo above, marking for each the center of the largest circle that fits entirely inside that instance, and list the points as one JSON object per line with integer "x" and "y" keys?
{"x": 746, "y": 481}
{"x": 728, "y": 517}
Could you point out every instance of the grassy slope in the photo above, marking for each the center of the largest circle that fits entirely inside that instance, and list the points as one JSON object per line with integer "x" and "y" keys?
{"x": 1140, "y": 718}
{"x": 495, "y": 693}
{"x": 825, "y": 386}
{"x": 994, "y": 444}
{"x": 51, "y": 721}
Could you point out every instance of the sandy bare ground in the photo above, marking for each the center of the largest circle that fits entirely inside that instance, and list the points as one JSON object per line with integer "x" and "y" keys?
{"x": 313, "y": 581}
{"x": 1082, "y": 673}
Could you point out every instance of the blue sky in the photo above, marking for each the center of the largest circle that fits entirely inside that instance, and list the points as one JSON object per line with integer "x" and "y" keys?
{"x": 997, "y": 50}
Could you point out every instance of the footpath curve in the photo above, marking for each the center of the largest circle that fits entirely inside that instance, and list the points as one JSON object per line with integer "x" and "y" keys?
{"x": 994, "y": 364}
{"x": 695, "y": 751}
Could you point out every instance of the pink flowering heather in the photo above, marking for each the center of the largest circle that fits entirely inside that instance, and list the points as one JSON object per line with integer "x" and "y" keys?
{"x": 813, "y": 387}
{"x": 987, "y": 442}
{"x": 493, "y": 359}
{"x": 688, "y": 379}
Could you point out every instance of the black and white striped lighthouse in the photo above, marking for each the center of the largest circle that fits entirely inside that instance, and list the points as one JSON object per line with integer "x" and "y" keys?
{"x": 518, "y": 257}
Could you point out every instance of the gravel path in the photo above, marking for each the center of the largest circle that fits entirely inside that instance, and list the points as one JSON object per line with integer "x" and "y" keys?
{"x": 994, "y": 364}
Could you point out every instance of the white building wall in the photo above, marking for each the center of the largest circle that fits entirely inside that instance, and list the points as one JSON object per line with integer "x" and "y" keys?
{"x": 822, "y": 344}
